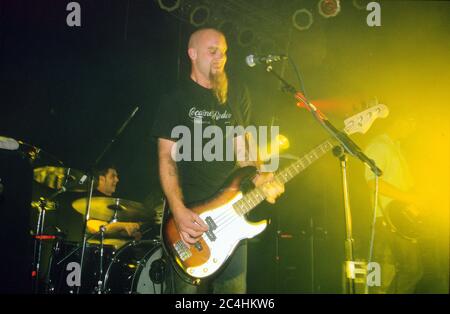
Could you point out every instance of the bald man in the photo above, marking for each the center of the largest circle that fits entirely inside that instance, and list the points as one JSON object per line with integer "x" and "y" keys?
{"x": 207, "y": 50}
{"x": 206, "y": 98}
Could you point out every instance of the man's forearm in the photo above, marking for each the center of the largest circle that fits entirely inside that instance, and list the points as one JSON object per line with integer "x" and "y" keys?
{"x": 168, "y": 173}
{"x": 94, "y": 225}
{"x": 391, "y": 191}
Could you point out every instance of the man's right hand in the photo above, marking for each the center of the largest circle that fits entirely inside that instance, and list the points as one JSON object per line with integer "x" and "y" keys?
{"x": 190, "y": 226}
{"x": 130, "y": 228}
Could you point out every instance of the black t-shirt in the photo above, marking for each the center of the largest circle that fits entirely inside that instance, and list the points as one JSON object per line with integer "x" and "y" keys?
{"x": 192, "y": 105}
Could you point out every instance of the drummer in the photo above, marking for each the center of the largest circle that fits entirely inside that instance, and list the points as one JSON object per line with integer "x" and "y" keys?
{"x": 107, "y": 179}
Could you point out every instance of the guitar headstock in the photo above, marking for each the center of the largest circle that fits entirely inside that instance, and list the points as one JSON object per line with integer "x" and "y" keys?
{"x": 361, "y": 122}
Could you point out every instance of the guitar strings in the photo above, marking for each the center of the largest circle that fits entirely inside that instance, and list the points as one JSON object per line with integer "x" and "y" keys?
{"x": 223, "y": 220}
{"x": 227, "y": 218}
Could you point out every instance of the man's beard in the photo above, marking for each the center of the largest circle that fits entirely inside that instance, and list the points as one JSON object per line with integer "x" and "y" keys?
{"x": 220, "y": 86}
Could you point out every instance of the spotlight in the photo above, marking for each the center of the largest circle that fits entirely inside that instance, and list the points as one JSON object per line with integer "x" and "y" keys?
{"x": 199, "y": 16}
{"x": 302, "y": 19}
{"x": 283, "y": 142}
{"x": 329, "y": 8}
{"x": 169, "y": 5}
{"x": 280, "y": 144}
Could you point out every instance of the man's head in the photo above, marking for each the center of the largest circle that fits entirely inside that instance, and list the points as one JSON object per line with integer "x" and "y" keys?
{"x": 400, "y": 124}
{"x": 207, "y": 51}
{"x": 403, "y": 127}
{"x": 107, "y": 179}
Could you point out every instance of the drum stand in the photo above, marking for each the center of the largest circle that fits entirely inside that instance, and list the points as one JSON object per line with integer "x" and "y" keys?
{"x": 38, "y": 243}
{"x": 100, "y": 288}
{"x": 39, "y": 236}
{"x": 91, "y": 188}
{"x": 100, "y": 267}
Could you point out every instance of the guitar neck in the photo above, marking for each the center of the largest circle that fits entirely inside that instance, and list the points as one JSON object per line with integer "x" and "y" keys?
{"x": 256, "y": 196}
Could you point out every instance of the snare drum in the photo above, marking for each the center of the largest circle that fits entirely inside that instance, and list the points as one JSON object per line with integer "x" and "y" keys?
{"x": 137, "y": 268}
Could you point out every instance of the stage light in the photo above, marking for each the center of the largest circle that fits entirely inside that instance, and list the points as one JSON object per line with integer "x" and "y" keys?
{"x": 302, "y": 19}
{"x": 329, "y": 8}
{"x": 199, "y": 16}
{"x": 279, "y": 145}
{"x": 282, "y": 141}
{"x": 169, "y": 5}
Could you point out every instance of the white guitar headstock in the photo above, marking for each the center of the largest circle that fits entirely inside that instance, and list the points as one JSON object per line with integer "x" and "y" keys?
{"x": 361, "y": 122}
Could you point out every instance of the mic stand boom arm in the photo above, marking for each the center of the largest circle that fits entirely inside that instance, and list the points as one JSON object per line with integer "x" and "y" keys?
{"x": 348, "y": 144}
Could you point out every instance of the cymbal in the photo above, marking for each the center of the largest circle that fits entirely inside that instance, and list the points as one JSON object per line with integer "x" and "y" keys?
{"x": 116, "y": 243}
{"x": 38, "y": 156}
{"x": 42, "y": 202}
{"x": 103, "y": 208}
{"x": 58, "y": 177}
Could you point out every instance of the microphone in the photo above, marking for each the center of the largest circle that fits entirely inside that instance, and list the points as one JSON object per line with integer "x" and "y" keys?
{"x": 8, "y": 143}
{"x": 83, "y": 179}
{"x": 253, "y": 60}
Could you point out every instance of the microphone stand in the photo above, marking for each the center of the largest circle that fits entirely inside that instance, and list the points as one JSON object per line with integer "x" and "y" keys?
{"x": 90, "y": 191}
{"x": 42, "y": 206}
{"x": 347, "y": 146}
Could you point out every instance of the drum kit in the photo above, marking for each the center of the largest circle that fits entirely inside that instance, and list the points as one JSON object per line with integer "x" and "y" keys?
{"x": 132, "y": 266}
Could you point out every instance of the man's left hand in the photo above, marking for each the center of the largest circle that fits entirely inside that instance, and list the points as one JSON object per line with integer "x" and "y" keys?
{"x": 271, "y": 188}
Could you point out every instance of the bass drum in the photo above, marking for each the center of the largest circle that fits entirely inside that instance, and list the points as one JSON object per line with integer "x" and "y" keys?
{"x": 137, "y": 268}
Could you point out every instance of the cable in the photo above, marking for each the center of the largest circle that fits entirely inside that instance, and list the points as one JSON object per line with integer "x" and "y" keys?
{"x": 372, "y": 232}
{"x": 299, "y": 78}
